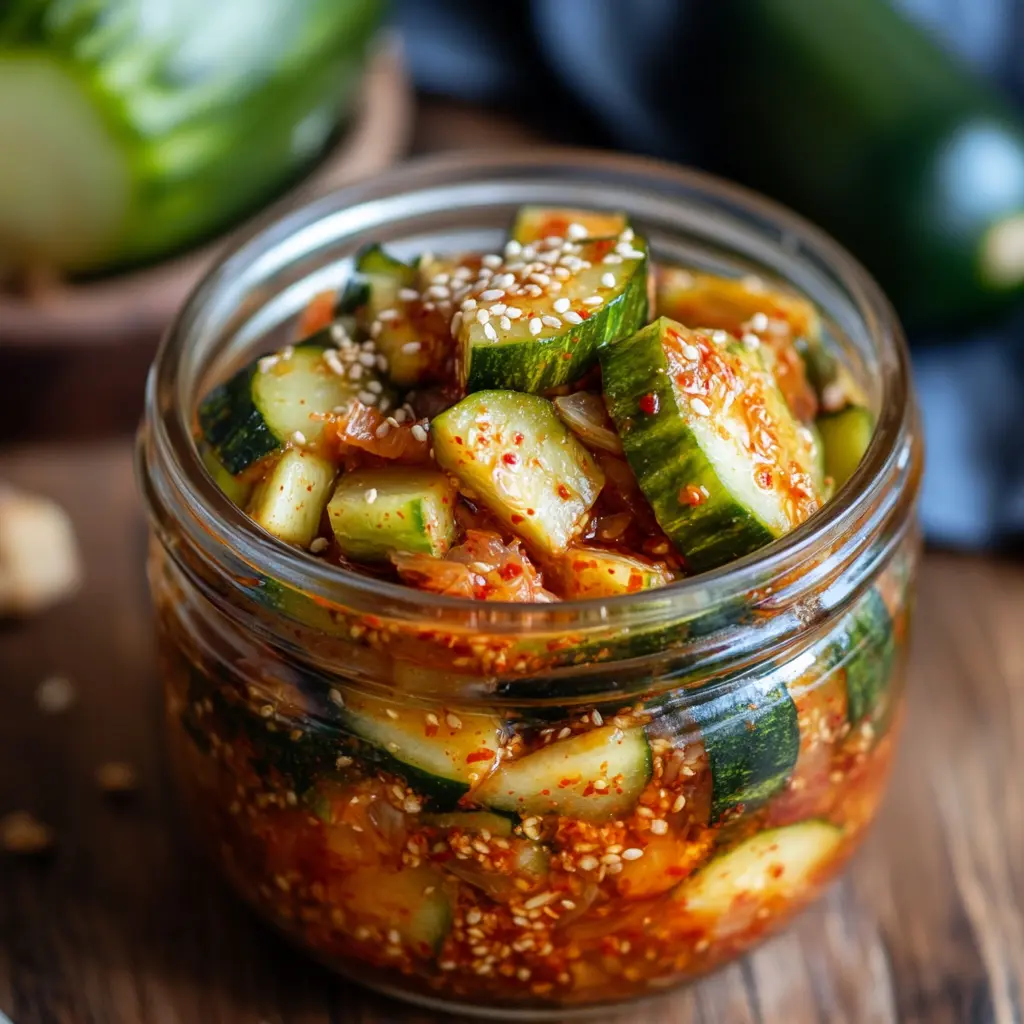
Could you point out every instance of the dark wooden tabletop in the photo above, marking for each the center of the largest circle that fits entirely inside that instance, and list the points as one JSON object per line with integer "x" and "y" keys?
{"x": 122, "y": 924}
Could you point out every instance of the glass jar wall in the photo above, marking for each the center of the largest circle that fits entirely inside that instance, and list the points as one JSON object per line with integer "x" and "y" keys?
{"x": 529, "y": 807}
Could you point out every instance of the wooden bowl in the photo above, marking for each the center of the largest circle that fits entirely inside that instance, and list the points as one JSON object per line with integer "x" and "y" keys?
{"x": 138, "y": 305}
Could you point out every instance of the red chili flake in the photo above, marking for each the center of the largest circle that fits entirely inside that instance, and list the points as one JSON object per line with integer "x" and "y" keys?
{"x": 531, "y": 512}
{"x": 458, "y": 440}
{"x": 510, "y": 571}
{"x": 430, "y": 730}
{"x": 636, "y": 581}
{"x": 583, "y": 312}
{"x": 483, "y": 754}
{"x": 516, "y": 518}
{"x": 649, "y": 403}
{"x": 764, "y": 478}
{"x": 691, "y": 495}
{"x": 510, "y": 458}
{"x": 563, "y": 492}
{"x": 517, "y": 437}
{"x": 776, "y": 870}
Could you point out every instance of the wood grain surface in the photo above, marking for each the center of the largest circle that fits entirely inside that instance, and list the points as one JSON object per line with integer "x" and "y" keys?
{"x": 123, "y": 925}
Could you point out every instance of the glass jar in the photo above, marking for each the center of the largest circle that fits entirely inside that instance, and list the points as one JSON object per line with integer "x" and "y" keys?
{"x": 679, "y": 770}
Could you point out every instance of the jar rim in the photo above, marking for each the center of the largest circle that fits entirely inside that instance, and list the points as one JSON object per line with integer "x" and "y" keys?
{"x": 169, "y": 412}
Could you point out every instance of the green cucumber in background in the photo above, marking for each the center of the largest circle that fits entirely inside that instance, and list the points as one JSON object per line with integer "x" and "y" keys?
{"x": 850, "y": 114}
{"x": 132, "y": 128}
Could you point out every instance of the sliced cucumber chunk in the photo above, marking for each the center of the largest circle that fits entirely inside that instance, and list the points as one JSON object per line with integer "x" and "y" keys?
{"x": 377, "y": 511}
{"x": 513, "y": 454}
{"x": 777, "y": 864}
{"x": 291, "y": 498}
{"x": 412, "y": 902}
{"x": 584, "y": 413}
{"x": 864, "y": 646}
{"x": 274, "y": 400}
{"x": 594, "y": 572}
{"x": 439, "y": 755}
{"x": 751, "y": 734}
{"x": 236, "y": 489}
{"x": 535, "y": 223}
{"x": 596, "y": 776}
{"x": 558, "y": 323}
{"x": 712, "y": 443}
{"x": 471, "y": 821}
{"x": 845, "y": 436}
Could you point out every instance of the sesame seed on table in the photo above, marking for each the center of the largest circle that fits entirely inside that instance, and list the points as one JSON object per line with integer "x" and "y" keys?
{"x": 115, "y": 919}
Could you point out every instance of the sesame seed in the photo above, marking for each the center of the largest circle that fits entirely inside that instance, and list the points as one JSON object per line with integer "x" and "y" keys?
{"x": 596, "y": 717}
{"x": 752, "y": 341}
{"x": 492, "y": 294}
{"x": 678, "y": 804}
{"x": 576, "y": 231}
{"x": 691, "y": 352}
{"x": 699, "y": 406}
{"x": 383, "y": 430}
{"x": 318, "y": 544}
{"x": 356, "y": 371}
{"x": 338, "y": 333}
{"x": 612, "y": 258}
{"x": 626, "y": 235}
{"x": 374, "y": 386}
{"x": 335, "y": 697}
{"x": 371, "y": 495}
{"x": 453, "y": 720}
{"x": 288, "y": 351}
{"x": 367, "y": 397}
{"x": 542, "y": 899}
{"x": 513, "y": 248}
{"x": 498, "y": 308}
{"x": 560, "y": 305}
{"x": 719, "y": 337}
{"x": 55, "y": 694}
{"x": 491, "y": 260}
{"x": 367, "y": 359}
{"x": 572, "y": 318}
{"x": 431, "y": 718}
{"x": 408, "y": 294}
{"x": 588, "y": 863}
{"x": 385, "y": 315}
{"x": 536, "y": 326}
{"x": 439, "y": 291}
{"x": 400, "y": 416}
{"x": 505, "y": 324}
{"x": 490, "y": 332}
{"x": 298, "y": 437}
{"x": 608, "y": 280}
{"x": 759, "y": 322}
{"x": 562, "y": 273}
{"x": 456, "y": 324}
{"x": 632, "y": 853}
{"x": 342, "y": 761}
{"x": 483, "y": 315}
{"x": 382, "y": 363}
{"x": 411, "y": 346}
{"x": 551, "y": 321}
{"x": 468, "y": 305}
{"x": 541, "y": 279}
{"x": 375, "y": 328}
{"x": 593, "y": 300}
{"x": 418, "y": 432}
{"x": 533, "y": 291}
{"x": 267, "y": 363}
{"x": 503, "y": 280}
{"x": 659, "y": 826}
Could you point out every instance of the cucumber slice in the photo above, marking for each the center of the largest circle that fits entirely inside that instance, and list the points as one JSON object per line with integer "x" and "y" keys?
{"x": 377, "y": 511}
{"x": 777, "y": 864}
{"x": 441, "y": 756}
{"x": 291, "y": 498}
{"x": 822, "y": 480}
{"x": 845, "y": 436}
{"x": 513, "y": 454}
{"x": 535, "y": 223}
{"x": 388, "y": 305}
{"x": 595, "y": 776}
{"x": 412, "y": 902}
{"x": 584, "y": 413}
{"x": 593, "y": 572}
{"x": 471, "y": 821}
{"x": 558, "y": 323}
{"x": 272, "y": 401}
{"x": 711, "y": 441}
{"x": 239, "y": 491}
{"x": 751, "y": 734}
{"x": 865, "y": 647}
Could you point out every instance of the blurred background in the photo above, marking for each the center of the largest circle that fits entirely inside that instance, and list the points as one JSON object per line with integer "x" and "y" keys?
{"x": 139, "y": 137}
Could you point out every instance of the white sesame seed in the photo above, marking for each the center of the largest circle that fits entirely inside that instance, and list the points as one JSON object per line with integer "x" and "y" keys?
{"x": 375, "y": 386}
{"x": 759, "y": 322}
{"x": 267, "y": 363}
{"x": 468, "y": 305}
{"x": 541, "y": 279}
{"x": 338, "y": 333}
{"x": 408, "y": 294}
{"x": 576, "y": 231}
{"x": 439, "y": 291}
{"x": 490, "y": 333}
{"x": 690, "y": 352}
{"x": 410, "y": 347}
{"x": 382, "y": 363}
{"x": 456, "y": 324}
{"x": 367, "y": 359}
{"x": 626, "y": 235}
{"x": 453, "y": 720}
{"x": 375, "y": 328}
{"x": 562, "y": 273}
{"x": 513, "y": 248}
{"x": 400, "y": 416}
{"x": 367, "y": 397}
{"x": 633, "y": 853}
{"x": 498, "y": 308}
{"x": 612, "y": 258}
{"x": 513, "y": 312}
{"x": 608, "y": 280}
{"x": 596, "y": 717}
{"x": 536, "y": 326}
{"x": 288, "y": 351}
{"x": 588, "y": 863}
{"x": 572, "y": 318}
{"x": 299, "y": 437}
{"x": 355, "y": 371}
{"x": 383, "y": 430}
{"x": 719, "y": 337}
{"x": 418, "y": 432}
{"x": 505, "y": 324}
{"x": 593, "y": 300}
{"x": 659, "y": 826}
{"x": 387, "y": 314}
{"x": 503, "y": 280}
{"x": 318, "y": 544}
{"x": 533, "y": 291}
{"x": 632, "y": 254}
{"x": 752, "y": 341}
{"x": 371, "y": 494}
{"x": 551, "y": 321}
{"x": 483, "y": 315}
{"x": 699, "y": 406}
{"x": 560, "y": 305}
{"x": 491, "y": 260}
{"x": 492, "y": 294}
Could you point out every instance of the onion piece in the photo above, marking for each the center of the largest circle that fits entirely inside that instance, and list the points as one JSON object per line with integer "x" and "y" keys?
{"x": 584, "y": 413}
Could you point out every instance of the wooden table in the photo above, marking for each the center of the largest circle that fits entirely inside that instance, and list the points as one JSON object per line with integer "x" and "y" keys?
{"x": 123, "y": 926}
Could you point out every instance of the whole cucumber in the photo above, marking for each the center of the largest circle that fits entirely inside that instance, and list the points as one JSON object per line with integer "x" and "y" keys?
{"x": 851, "y": 114}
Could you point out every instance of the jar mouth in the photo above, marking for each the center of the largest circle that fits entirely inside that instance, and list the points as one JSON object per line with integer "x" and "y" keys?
{"x": 355, "y": 213}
